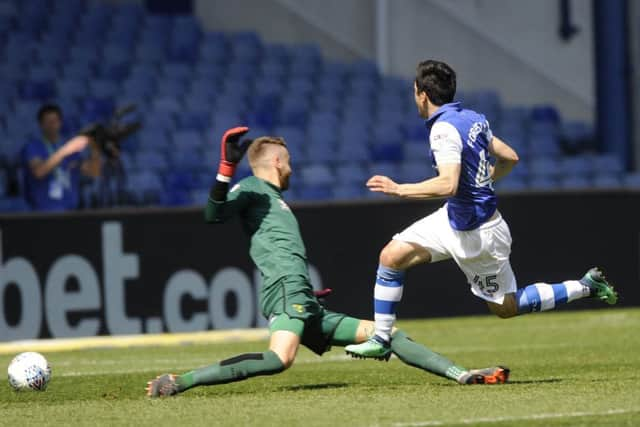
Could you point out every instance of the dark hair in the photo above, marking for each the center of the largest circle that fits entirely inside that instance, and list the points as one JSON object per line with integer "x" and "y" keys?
{"x": 49, "y": 108}
{"x": 437, "y": 80}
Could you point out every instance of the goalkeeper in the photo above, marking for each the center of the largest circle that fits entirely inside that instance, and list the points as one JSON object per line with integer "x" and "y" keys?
{"x": 287, "y": 298}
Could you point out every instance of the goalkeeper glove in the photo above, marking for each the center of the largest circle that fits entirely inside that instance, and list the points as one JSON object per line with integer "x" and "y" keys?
{"x": 231, "y": 152}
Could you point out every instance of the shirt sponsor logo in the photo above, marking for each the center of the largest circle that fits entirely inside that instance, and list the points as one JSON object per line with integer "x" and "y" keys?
{"x": 476, "y": 129}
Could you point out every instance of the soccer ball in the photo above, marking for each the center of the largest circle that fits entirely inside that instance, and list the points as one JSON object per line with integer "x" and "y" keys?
{"x": 29, "y": 371}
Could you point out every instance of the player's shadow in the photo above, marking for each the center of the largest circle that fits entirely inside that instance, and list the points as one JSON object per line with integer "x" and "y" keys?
{"x": 542, "y": 381}
{"x": 516, "y": 382}
{"x": 322, "y": 386}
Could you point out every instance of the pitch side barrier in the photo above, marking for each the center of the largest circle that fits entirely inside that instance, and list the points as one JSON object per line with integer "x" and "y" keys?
{"x": 158, "y": 270}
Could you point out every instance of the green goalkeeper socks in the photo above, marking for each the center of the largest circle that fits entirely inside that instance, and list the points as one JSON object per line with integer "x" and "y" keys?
{"x": 236, "y": 368}
{"x": 421, "y": 357}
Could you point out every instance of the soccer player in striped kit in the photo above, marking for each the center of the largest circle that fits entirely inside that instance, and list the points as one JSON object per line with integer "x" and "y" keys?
{"x": 468, "y": 228}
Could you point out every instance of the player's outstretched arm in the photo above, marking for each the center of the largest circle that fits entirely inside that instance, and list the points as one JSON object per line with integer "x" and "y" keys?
{"x": 222, "y": 206}
{"x": 443, "y": 185}
{"x": 506, "y": 158}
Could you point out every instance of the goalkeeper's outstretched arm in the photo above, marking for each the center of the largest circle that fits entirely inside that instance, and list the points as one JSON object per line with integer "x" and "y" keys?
{"x": 221, "y": 205}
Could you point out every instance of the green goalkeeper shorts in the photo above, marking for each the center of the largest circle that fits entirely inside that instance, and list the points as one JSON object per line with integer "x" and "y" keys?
{"x": 318, "y": 332}
{"x": 292, "y": 295}
{"x": 290, "y": 305}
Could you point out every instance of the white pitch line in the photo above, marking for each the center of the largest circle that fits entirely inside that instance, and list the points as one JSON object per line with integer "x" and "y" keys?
{"x": 543, "y": 416}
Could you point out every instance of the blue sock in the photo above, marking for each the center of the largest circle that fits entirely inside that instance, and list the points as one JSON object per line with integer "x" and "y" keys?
{"x": 544, "y": 296}
{"x": 387, "y": 293}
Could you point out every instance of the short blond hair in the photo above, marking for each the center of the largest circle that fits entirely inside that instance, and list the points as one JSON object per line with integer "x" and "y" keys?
{"x": 259, "y": 145}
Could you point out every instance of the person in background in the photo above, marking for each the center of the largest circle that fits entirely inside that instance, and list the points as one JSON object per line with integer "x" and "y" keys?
{"x": 53, "y": 166}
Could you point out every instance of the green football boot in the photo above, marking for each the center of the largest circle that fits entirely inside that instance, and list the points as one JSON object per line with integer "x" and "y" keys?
{"x": 600, "y": 288}
{"x": 163, "y": 386}
{"x": 374, "y": 348}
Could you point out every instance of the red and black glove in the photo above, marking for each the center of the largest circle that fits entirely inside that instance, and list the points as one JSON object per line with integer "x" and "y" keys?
{"x": 231, "y": 152}
{"x": 323, "y": 293}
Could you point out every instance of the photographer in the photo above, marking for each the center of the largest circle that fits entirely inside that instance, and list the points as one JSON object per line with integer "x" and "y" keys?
{"x": 53, "y": 167}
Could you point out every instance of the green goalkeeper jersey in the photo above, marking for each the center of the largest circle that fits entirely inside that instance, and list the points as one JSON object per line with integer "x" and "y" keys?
{"x": 276, "y": 248}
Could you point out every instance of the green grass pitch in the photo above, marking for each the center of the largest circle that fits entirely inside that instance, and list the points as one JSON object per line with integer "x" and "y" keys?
{"x": 571, "y": 368}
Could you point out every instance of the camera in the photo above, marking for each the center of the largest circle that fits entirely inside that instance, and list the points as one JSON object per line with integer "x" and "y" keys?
{"x": 110, "y": 134}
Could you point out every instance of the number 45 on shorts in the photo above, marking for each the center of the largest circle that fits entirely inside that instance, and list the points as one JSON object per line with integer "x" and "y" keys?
{"x": 488, "y": 285}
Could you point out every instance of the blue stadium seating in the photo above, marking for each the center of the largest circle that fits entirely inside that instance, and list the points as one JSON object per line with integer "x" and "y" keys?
{"x": 606, "y": 181}
{"x": 543, "y": 183}
{"x": 577, "y": 166}
{"x": 575, "y": 183}
{"x": 512, "y": 184}
{"x": 317, "y": 174}
{"x": 343, "y": 122}
{"x": 632, "y": 181}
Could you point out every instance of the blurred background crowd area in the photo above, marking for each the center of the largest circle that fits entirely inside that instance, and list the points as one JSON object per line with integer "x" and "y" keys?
{"x": 343, "y": 121}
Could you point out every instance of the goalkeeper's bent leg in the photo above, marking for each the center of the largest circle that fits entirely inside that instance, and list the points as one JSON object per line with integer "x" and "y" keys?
{"x": 354, "y": 331}
{"x": 419, "y": 356}
{"x": 283, "y": 346}
{"x": 236, "y": 368}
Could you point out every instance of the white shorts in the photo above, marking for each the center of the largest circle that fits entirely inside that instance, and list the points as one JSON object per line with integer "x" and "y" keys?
{"x": 482, "y": 254}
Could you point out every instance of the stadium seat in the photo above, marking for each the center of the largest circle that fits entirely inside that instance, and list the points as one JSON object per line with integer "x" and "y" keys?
{"x": 576, "y": 135}
{"x": 4, "y": 183}
{"x": 415, "y": 171}
{"x": 114, "y": 71}
{"x": 607, "y": 181}
{"x": 511, "y": 184}
{"x": 349, "y": 192}
{"x": 351, "y": 173}
{"x": 609, "y": 163}
{"x": 43, "y": 72}
{"x": 386, "y": 144}
{"x": 317, "y": 174}
{"x": 168, "y": 104}
{"x": 149, "y": 52}
{"x": 575, "y": 183}
{"x": 521, "y": 171}
{"x": 180, "y": 181}
{"x": 72, "y": 88}
{"x": 545, "y": 113}
{"x": 128, "y": 161}
{"x": 632, "y": 181}
{"x": 144, "y": 187}
{"x": 97, "y": 109}
{"x": 316, "y": 192}
{"x": 417, "y": 150}
{"x": 384, "y": 168}
{"x": 78, "y": 70}
{"x": 191, "y": 85}
{"x": 193, "y": 120}
{"x": 37, "y": 89}
{"x": 578, "y": 166}
{"x": 543, "y": 183}
{"x": 187, "y": 160}
{"x": 103, "y": 88}
{"x": 188, "y": 139}
{"x": 152, "y": 160}
{"x": 294, "y": 114}
{"x": 545, "y": 167}
{"x": 13, "y": 204}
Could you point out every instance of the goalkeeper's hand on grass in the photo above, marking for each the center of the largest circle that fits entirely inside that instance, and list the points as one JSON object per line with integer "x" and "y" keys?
{"x": 231, "y": 152}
